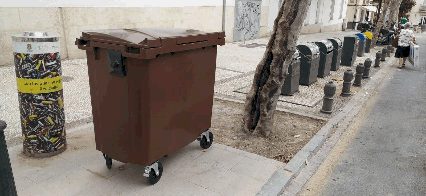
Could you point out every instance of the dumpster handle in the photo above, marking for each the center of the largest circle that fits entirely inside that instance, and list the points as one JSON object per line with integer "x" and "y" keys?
{"x": 83, "y": 44}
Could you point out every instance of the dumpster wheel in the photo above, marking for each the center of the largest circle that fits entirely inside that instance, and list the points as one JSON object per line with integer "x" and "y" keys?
{"x": 108, "y": 161}
{"x": 206, "y": 142}
{"x": 153, "y": 172}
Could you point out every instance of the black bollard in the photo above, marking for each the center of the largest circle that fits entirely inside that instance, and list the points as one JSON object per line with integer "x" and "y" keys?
{"x": 367, "y": 65}
{"x": 329, "y": 91}
{"x": 384, "y": 54}
{"x": 7, "y": 182}
{"x": 358, "y": 75}
{"x": 347, "y": 81}
{"x": 388, "y": 51}
{"x": 377, "y": 60}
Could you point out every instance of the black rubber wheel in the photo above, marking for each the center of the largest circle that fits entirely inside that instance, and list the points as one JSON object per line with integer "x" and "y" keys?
{"x": 204, "y": 144}
{"x": 108, "y": 161}
{"x": 153, "y": 178}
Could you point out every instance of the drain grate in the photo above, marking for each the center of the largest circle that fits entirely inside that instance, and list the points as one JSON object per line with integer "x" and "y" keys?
{"x": 67, "y": 78}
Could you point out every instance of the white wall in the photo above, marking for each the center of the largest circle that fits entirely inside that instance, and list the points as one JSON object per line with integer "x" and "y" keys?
{"x": 415, "y": 14}
{"x": 273, "y": 13}
{"x": 118, "y": 3}
{"x": 325, "y": 12}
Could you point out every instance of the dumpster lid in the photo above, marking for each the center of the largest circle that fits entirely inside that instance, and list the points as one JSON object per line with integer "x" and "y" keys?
{"x": 150, "y": 37}
{"x": 337, "y": 40}
{"x": 308, "y": 49}
{"x": 328, "y": 46}
{"x": 361, "y": 36}
{"x": 35, "y": 36}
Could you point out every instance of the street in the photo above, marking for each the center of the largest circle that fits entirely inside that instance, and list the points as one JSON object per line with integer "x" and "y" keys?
{"x": 383, "y": 152}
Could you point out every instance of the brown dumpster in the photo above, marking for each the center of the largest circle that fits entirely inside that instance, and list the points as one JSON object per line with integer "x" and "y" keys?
{"x": 151, "y": 90}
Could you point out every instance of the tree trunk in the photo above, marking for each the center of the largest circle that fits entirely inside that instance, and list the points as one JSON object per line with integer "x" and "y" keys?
{"x": 271, "y": 72}
{"x": 378, "y": 13}
{"x": 379, "y": 25}
{"x": 394, "y": 9}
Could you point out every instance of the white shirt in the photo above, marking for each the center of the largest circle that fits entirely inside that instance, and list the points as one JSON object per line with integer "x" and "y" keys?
{"x": 405, "y": 37}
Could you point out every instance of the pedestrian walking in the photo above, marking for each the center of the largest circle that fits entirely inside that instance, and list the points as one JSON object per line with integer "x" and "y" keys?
{"x": 405, "y": 38}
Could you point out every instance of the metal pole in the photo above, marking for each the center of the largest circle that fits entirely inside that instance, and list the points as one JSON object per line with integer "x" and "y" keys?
{"x": 223, "y": 15}
{"x": 7, "y": 182}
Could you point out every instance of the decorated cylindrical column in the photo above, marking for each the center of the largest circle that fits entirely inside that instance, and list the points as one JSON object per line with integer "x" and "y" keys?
{"x": 367, "y": 65}
{"x": 378, "y": 58}
{"x": 347, "y": 82}
{"x": 384, "y": 54}
{"x": 40, "y": 94}
{"x": 329, "y": 91}
{"x": 358, "y": 75}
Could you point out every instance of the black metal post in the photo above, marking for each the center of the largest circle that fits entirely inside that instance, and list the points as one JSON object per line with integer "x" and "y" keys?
{"x": 367, "y": 65}
{"x": 384, "y": 54}
{"x": 329, "y": 91}
{"x": 7, "y": 182}
{"x": 378, "y": 58}
{"x": 347, "y": 82}
{"x": 358, "y": 76}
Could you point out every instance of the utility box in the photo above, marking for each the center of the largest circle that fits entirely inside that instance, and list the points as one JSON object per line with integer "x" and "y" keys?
{"x": 152, "y": 92}
{"x": 337, "y": 53}
{"x": 291, "y": 82}
{"x": 309, "y": 62}
{"x": 326, "y": 57}
{"x": 361, "y": 45}
{"x": 350, "y": 49}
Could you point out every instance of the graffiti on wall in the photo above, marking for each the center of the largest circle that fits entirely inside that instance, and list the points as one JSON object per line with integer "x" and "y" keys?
{"x": 247, "y": 19}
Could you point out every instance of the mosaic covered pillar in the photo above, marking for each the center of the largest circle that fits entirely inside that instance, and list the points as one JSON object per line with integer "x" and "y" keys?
{"x": 40, "y": 94}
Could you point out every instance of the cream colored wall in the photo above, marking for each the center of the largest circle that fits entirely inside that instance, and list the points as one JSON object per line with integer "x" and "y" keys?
{"x": 69, "y": 22}
{"x": 17, "y": 20}
{"x": 77, "y": 20}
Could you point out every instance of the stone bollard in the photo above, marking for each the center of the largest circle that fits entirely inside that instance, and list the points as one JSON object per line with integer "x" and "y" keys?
{"x": 358, "y": 75}
{"x": 367, "y": 65}
{"x": 7, "y": 182}
{"x": 329, "y": 91}
{"x": 347, "y": 81}
{"x": 384, "y": 54}
{"x": 377, "y": 60}
{"x": 392, "y": 50}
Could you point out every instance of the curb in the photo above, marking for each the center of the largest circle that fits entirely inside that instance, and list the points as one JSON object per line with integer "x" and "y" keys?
{"x": 279, "y": 180}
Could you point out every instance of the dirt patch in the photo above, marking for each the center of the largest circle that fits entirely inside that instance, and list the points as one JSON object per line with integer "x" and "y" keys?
{"x": 290, "y": 132}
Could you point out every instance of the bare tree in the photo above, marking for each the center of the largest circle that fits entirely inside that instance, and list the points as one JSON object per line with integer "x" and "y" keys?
{"x": 271, "y": 72}
{"x": 379, "y": 25}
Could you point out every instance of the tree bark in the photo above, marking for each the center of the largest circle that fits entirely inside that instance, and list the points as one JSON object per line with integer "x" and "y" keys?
{"x": 271, "y": 72}
{"x": 379, "y": 25}
{"x": 378, "y": 13}
{"x": 394, "y": 9}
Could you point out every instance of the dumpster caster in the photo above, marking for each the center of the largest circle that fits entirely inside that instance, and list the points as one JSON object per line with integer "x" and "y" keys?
{"x": 206, "y": 142}
{"x": 108, "y": 161}
{"x": 153, "y": 172}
